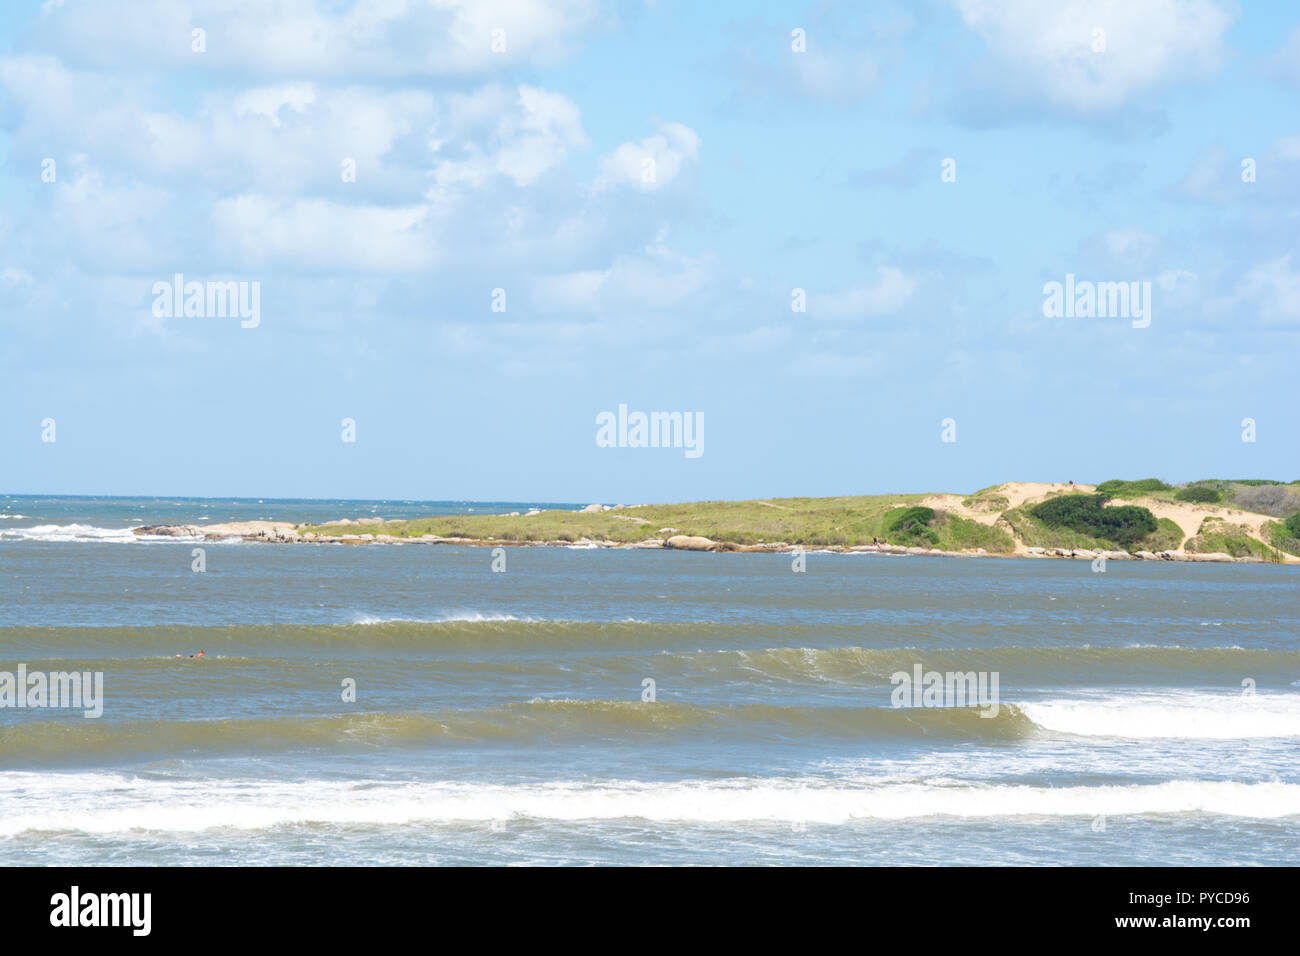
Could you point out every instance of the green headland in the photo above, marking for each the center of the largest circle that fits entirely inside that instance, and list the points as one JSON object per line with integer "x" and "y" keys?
{"x": 1232, "y": 518}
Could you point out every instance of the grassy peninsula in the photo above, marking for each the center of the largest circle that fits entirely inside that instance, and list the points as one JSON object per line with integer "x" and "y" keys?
{"x": 1250, "y": 519}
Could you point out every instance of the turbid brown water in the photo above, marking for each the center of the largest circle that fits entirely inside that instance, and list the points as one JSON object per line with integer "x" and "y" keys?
{"x": 1149, "y": 714}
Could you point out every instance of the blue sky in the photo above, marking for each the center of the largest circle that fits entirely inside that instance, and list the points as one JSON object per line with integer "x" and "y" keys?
{"x": 521, "y": 169}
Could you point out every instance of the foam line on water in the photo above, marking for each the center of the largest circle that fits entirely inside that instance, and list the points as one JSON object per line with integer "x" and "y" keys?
{"x": 103, "y": 803}
{"x": 1185, "y": 716}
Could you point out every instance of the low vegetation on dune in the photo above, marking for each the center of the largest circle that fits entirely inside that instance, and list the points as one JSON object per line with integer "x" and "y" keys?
{"x": 962, "y": 534}
{"x": 1145, "y": 488}
{"x": 1274, "y": 499}
{"x": 1168, "y": 536}
{"x": 1263, "y": 496}
{"x": 987, "y": 500}
{"x": 1285, "y": 536}
{"x": 1225, "y": 537}
{"x": 1199, "y": 494}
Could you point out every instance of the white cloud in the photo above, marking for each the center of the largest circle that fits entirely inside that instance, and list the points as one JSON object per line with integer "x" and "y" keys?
{"x": 1046, "y": 49}
{"x": 656, "y": 279}
{"x": 281, "y": 138}
{"x": 886, "y": 295}
{"x": 1170, "y": 279}
{"x": 848, "y": 51}
{"x": 370, "y": 38}
{"x": 104, "y": 224}
{"x": 1214, "y": 176}
{"x": 1124, "y": 249}
{"x": 532, "y": 131}
{"x": 245, "y": 177}
{"x": 260, "y": 232}
{"x": 836, "y": 75}
{"x": 1273, "y": 287}
{"x": 460, "y": 159}
{"x": 653, "y": 162}
{"x": 269, "y": 100}
{"x": 1288, "y": 147}
{"x": 1285, "y": 65}
{"x": 1129, "y": 243}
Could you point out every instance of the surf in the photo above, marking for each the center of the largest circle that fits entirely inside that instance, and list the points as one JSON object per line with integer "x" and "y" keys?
{"x": 102, "y": 804}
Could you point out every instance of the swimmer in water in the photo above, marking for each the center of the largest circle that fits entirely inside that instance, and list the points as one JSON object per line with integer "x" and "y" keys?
{"x": 192, "y": 656}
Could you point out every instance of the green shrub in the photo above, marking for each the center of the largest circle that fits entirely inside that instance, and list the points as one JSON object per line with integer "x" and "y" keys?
{"x": 1292, "y": 525}
{"x": 1124, "y": 525}
{"x": 903, "y": 518}
{"x": 1168, "y": 536}
{"x": 1282, "y": 537}
{"x": 911, "y": 526}
{"x": 1036, "y": 533}
{"x": 1116, "y": 488}
{"x": 1199, "y": 494}
{"x": 957, "y": 534}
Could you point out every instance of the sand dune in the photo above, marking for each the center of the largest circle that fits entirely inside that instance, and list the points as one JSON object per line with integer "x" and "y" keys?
{"x": 1187, "y": 515}
{"x": 1017, "y": 493}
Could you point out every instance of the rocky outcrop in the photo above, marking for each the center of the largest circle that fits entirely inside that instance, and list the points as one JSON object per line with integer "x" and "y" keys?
{"x": 688, "y": 542}
{"x": 1089, "y": 554}
{"x": 171, "y": 530}
{"x": 249, "y": 530}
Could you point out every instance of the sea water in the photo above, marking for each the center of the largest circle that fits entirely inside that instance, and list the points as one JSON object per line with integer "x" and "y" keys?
{"x": 404, "y": 703}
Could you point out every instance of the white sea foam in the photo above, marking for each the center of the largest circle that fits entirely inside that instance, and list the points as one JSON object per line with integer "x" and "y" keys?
{"x": 1186, "y": 716}
{"x": 84, "y": 532}
{"x": 473, "y": 617}
{"x": 108, "y": 803}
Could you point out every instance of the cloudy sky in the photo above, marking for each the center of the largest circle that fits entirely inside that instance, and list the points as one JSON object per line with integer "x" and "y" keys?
{"x": 505, "y": 144}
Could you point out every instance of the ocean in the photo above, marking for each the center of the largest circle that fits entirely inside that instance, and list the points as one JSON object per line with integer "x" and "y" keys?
{"x": 407, "y": 704}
